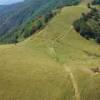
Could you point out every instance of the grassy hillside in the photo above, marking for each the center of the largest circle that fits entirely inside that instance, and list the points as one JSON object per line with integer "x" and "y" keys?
{"x": 54, "y": 64}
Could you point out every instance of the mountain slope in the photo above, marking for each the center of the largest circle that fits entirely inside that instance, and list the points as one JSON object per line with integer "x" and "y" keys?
{"x": 44, "y": 66}
{"x": 15, "y": 17}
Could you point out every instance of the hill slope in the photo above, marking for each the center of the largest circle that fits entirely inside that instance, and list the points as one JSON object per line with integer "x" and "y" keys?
{"x": 14, "y": 18}
{"x": 54, "y": 64}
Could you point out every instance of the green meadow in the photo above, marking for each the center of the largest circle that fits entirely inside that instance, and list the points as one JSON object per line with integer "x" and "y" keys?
{"x": 53, "y": 64}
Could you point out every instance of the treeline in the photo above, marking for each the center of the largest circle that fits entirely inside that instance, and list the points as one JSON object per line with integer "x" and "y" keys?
{"x": 89, "y": 24}
{"x": 37, "y": 24}
{"x": 30, "y": 28}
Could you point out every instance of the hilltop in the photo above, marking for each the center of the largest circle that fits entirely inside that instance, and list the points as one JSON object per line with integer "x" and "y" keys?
{"x": 54, "y": 64}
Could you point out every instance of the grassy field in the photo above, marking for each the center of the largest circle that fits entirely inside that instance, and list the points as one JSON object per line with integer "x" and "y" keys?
{"x": 54, "y": 64}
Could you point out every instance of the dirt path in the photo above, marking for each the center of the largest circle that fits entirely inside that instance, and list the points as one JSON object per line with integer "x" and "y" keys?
{"x": 68, "y": 70}
{"x": 53, "y": 53}
{"x": 75, "y": 86}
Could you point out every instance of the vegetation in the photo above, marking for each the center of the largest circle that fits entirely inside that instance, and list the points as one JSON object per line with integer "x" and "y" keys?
{"x": 37, "y": 24}
{"x": 18, "y": 17}
{"x": 34, "y": 69}
{"x": 89, "y": 24}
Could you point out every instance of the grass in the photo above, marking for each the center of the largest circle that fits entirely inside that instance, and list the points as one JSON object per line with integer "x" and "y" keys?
{"x": 33, "y": 69}
{"x": 27, "y": 76}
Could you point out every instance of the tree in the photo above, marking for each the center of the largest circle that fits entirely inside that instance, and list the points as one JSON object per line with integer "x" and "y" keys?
{"x": 48, "y": 16}
{"x": 16, "y": 39}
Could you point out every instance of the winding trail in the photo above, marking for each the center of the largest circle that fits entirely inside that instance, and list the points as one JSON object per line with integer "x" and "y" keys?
{"x": 53, "y": 53}
{"x": 75, "y": 86}
{"x": 68, "y": 70}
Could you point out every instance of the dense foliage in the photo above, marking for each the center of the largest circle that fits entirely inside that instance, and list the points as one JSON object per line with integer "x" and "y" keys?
{"x": 89, "y": 24}
{"x": 20, "y": 19}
